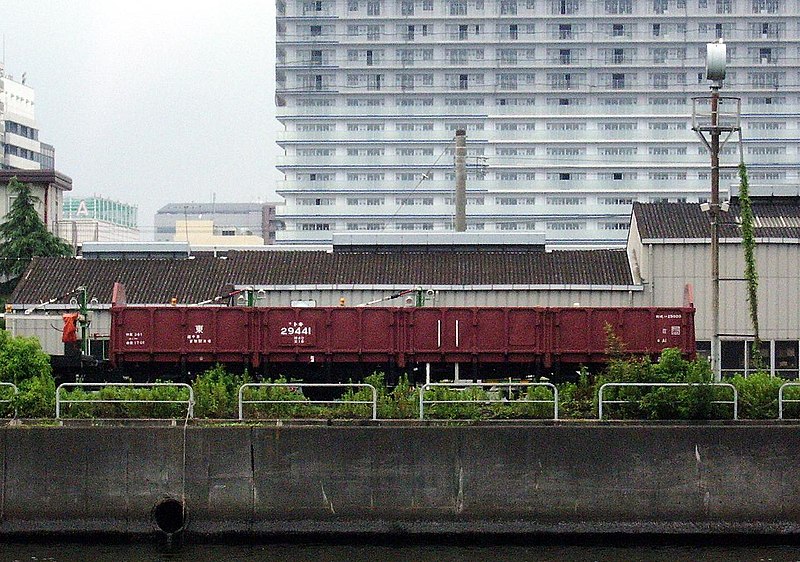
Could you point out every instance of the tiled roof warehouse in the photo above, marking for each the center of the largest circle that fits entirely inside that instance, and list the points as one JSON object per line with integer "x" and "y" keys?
{"x": 774, "y": 217}
{"x": 151, "y": 281}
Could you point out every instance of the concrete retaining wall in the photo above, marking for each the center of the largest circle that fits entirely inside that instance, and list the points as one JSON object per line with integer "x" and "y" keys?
{"x": 550, "y": 478}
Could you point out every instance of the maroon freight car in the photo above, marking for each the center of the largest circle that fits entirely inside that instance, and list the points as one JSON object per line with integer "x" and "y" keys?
{"x": 541, "y": 338}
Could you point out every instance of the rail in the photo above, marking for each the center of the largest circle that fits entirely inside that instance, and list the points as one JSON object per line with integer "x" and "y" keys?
{"x": 59, "y": 401}
{"x": 462, "y": 385}
{"x": 373, "y": 402}
{"x": 600, "y": 401}
{"x": 782, "y": 400}
{"x": 10, "y": 400}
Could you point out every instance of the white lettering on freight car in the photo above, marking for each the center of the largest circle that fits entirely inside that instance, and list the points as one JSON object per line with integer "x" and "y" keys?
{"x": 197, "y": 339}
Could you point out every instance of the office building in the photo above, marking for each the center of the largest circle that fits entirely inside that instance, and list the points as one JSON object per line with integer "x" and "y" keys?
{"x": 20, "y": 148}
{"x": 207, "y": 223}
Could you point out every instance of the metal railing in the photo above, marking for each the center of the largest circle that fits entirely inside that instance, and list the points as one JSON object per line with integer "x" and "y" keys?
{"x": 782, "y": 400}
{"x": 501, "y": 400}
{"x": 16, "y": 391}
{"x": 600, "y": 401}
{"x": 59, "y": 401}
{"x": 373, "y": 402}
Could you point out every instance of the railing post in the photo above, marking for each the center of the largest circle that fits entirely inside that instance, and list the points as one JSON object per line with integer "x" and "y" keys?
{"x": 600, "y": 402}
{"x": 58, "y": 402}
{"x": 555, "y": 401}
{"x": 241, "y": 409}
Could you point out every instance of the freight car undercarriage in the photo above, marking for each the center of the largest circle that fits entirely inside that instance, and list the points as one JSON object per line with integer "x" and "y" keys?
{"x": 342, "y": 372}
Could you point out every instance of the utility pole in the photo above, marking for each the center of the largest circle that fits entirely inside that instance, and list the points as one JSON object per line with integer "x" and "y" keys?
{"x": 461, "y": 180}
{"x": 716, "y": 60}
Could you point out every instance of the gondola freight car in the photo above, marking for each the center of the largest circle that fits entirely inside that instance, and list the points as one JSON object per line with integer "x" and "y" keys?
{"x": 325, "y": 340}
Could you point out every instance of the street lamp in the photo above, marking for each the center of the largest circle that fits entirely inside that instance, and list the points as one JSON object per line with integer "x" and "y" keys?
{"x": 714, "y": 123}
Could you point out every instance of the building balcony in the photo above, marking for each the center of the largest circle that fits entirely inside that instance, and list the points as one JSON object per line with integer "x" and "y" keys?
{"x": 392, "y": 136}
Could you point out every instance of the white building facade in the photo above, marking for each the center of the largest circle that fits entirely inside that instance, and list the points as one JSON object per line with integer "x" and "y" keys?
{"x": 573, "y": 110}
{"x": 19, "y": 132}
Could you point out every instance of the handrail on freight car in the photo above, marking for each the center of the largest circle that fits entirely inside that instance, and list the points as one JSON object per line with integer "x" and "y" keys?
{"x": 509, "y": 385}
{"x": 600, "y": 401}
{"x": 782, "y": 400}
{"x": 242, "y": 402}
{"x": 189, "y": 403}
{"x": 16, "y": 391}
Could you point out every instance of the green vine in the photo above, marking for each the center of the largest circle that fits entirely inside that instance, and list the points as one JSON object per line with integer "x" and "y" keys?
{"x": 750, "y": 271}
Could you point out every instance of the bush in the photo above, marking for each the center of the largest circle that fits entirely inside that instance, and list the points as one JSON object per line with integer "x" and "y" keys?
{"x": 37, "y": 397}
{"x": 136, "y": 407}
{"x": 216, "y": 393}
{"x": 666, "y": 403}
{"x": 758, "y": 395}
{"x": 292, "y": 403}
{"x": 21, "y": 359}
{"x": 578, "y": 400}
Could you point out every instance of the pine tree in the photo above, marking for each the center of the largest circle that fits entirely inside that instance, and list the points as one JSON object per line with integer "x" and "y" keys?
{"x": 23, "y": 235}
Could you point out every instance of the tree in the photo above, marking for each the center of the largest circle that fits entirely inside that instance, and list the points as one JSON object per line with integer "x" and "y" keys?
{"x": 23, "y": 235}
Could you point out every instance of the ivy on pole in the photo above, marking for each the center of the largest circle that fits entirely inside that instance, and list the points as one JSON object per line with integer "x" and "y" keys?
{"x": 750, "y": 270}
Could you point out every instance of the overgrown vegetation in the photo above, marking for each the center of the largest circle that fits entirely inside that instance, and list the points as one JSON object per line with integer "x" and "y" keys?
{"x": 750, "y": 270}
{"x": 23, "y": 363}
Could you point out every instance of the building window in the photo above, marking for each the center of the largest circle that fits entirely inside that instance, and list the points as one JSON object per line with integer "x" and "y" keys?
{"x": 619, "y": 6}
{"x": 724, "y": 6}
{"x": 508, "y": 7}
{"x": 458, "y": 7}
{"x": 314, "y": 226}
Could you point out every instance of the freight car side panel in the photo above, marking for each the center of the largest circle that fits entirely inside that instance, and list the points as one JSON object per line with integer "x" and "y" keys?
{"x": 361, "y": 334}
{"x": 675, "y": 328}
{"x": 173, "y": 334}
{"x": 423, "y": 333}
{"x": 292, "y": 334}
{"x": 491, "y": 334}
{"x": 131, "y": 334}
{"x": 581, "y": 334}
{"x": 387, "y": 334}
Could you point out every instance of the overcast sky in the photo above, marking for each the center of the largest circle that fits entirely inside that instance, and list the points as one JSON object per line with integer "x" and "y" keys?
{"x": 152, "y": 102}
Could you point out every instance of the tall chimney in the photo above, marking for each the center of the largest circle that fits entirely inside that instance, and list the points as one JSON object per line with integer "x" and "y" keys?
{"x": 461, "y": 180}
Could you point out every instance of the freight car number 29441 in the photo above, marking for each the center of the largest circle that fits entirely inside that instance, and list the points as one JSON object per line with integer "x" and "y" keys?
{"x": 297, "y": 332}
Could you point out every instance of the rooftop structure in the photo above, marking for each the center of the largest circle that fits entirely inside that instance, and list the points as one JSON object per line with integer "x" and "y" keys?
{"x": 574, "y": 109}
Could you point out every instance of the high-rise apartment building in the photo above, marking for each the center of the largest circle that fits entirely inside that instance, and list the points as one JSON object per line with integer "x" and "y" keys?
{"x": 20, "y": 148}
{"x": 573, "y": 110}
